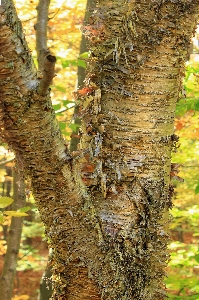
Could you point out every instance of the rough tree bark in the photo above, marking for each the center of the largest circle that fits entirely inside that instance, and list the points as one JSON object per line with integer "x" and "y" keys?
{"x": 103, "y": 207}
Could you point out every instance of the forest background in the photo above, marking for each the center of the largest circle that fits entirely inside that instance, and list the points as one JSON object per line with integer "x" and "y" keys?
{"x": 64, "y": 38}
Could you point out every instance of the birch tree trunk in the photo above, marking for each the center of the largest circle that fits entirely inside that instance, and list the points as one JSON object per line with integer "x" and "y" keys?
{"x": 104, "y": 207}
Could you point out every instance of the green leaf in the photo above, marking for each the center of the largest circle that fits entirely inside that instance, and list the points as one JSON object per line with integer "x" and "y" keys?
{"x": 65, "y": 64}
{"x": 74, "y": 127}
{"x": 57, "y": 106}
{"x": 197, "y": 257}
{"x": 68, "y": 63}
{"x": 66, "y": 102}
{"x": 60, "y": 88}
{"x": 13, "y": 213}
{"x": 24, "y": 209}
{"x": 197, "y": 189}
{"x": 5, "y": 201}
{"x": 81, "y": 63}
{"x": 197, "y": 105}
{"x": 62, "y": 125}
{"x": 84, "y": 55}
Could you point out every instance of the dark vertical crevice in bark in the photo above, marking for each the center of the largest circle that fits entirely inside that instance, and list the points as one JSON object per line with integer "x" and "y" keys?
{"x": 14, "y": 237}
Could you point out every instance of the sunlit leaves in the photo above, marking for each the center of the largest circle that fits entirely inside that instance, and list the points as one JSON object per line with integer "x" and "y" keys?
{"x": 74, "y": 127}
{"x": 74, "y": 62}
{"x": 84, "y": 55}
{"x": 184, "y": 259}
{"x": 191, "y": 85}
{"x": 60, "y": 88}
{"x": 185, "y": 105}
{"x": 5, "y": 201}
{"x": 57, "y": 106}
{"x": 24, "y": 209}
{"x": 18, "y": 213}
{"x": 62, "y": 126}
{"x": 190, "y": 216}
{"x": 12, "y": 213}
{"x": 197, "y": 257}
{"x": 63, "y": 104}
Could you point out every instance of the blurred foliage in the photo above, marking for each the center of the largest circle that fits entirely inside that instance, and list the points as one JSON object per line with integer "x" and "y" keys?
{"x": 5, "y": 202}
{"x": 64, "y": 37}
{"x": 183, "y": 269}
{"x": 190, "y": 100}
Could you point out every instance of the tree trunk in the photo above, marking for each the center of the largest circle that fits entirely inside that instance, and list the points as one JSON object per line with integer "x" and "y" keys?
{"x": 104, "y": 208}
{"x": 45, "y": 291}
{"x": 14, "y": 238}
{"x": 80, "y": 78}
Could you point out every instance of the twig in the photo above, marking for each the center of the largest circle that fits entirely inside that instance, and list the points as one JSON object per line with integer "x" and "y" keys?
{"x": 4, "y": 162}
{"x": 48, "y": 72}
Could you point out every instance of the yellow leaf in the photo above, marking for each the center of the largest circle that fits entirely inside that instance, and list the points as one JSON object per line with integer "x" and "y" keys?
{"x": 13, "y": 213}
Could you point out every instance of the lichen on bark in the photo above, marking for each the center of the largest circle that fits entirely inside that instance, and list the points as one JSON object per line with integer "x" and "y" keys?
{"x": 104, "y": 207}
{"x": 137, "y": 55}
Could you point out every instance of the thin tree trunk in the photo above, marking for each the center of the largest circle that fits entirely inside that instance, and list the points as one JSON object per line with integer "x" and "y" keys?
{"x": 41, "y": 31}
{"x": 7, "y": 188}
{"x": 45, "y": 291}
{"x": 105, "y": 209}
{"x": 80, "y": 77}
{"x": 14, "y": 238}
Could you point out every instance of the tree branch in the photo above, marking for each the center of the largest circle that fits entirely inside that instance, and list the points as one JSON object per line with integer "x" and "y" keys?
{"x": 41, "y": 30}
{"x": 46, "y": 61}
{"x": 32, "y": 131}
{"x": 4, "y": 162}
{"x": 48, "y": 72}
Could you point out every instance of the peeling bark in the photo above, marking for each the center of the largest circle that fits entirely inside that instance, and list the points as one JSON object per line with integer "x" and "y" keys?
{"x": 105, "y": 207}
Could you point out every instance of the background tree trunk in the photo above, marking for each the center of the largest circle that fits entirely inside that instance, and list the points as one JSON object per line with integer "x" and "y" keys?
{"x": 104, "y": 207}
{"x": 45, "y": 291}
{"x": 14, "y": 237}
{"x": 80, "y": 77}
